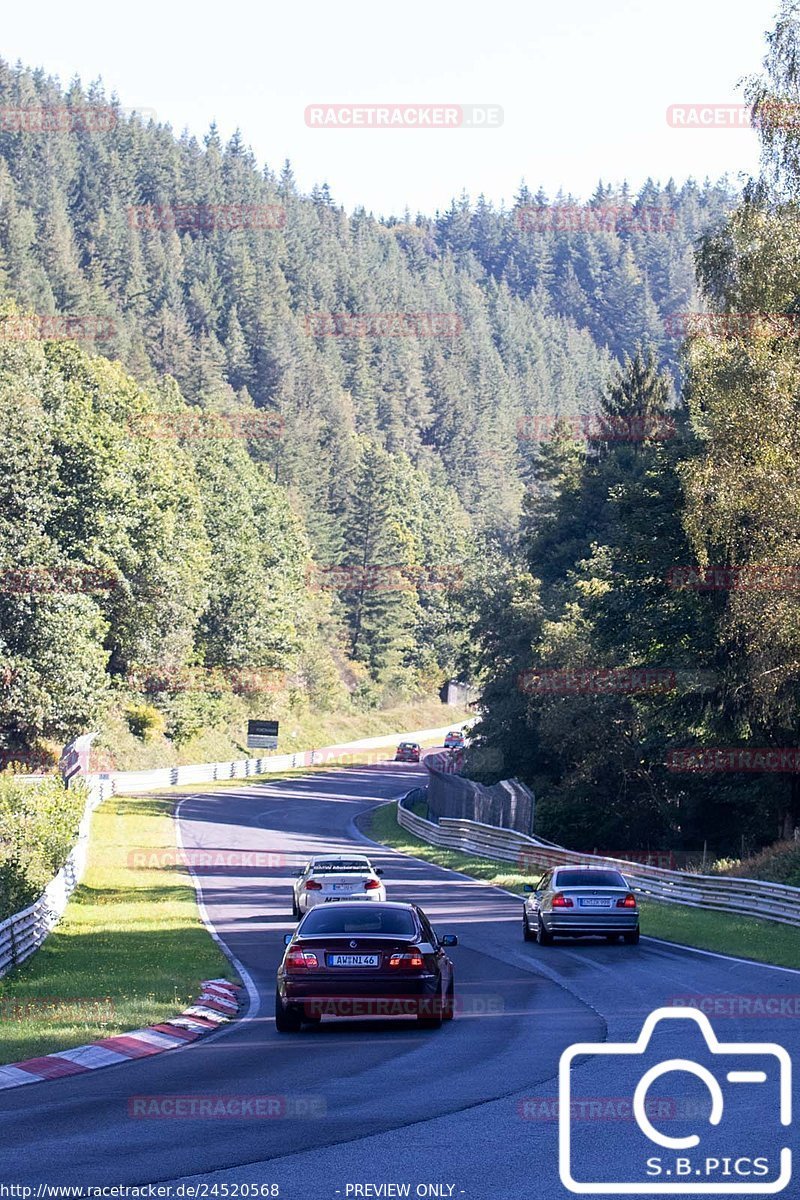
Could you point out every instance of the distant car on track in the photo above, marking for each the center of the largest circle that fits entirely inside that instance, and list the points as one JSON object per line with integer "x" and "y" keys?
{"x": 454, "y": 740}
{"x": 329, "y": 877}
{"x": 408, "y": 752}
{"x": 580, "y": 902}
{"x": 362, "y": 960}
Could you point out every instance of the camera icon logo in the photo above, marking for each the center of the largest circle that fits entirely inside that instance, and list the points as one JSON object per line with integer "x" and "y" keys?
{"x": 742, "y": 1078}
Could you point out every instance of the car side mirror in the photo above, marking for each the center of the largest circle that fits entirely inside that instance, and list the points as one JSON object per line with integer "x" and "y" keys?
{"x": 528, "y": 887}
{"x": 287, "y": 937}
{"x": 297, "y": 874}
{"x": 378, "y": 871}
{"x": 449, "y": 939}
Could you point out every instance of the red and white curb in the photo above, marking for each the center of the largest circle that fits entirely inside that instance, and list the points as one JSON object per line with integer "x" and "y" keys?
{"x": 217, "y": 1004}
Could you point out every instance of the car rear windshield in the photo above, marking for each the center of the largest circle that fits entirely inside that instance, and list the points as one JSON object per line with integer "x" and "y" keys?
{"x": 337, "y": 866}
{"x": 408, "y": 745}
{"x": 338, "y": 919}
{"x": 571, "y": 879}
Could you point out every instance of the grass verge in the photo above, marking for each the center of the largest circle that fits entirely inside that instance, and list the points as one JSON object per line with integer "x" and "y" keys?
{"x": 117, "y": 749}
{"x": 744, "y": 937}
{"x": 129, "y": 951}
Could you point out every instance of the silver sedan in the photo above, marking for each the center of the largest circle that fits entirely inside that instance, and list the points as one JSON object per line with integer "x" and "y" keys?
{"x": 580, "y": 902}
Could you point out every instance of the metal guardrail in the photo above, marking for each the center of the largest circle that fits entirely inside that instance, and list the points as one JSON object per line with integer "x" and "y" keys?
{"x": 719, "y": 893}
{"x": 23, "y": 932}
{"x": 124, "y": 782}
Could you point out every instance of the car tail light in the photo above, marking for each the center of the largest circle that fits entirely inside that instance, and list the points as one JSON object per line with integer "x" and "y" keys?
{"x": 372, "y": 883}
{"x": 562, "y": 901}
{"x": 313, "y": 886}
{"x": 628, "y": 901}
{"x": 412, "y": 961}
{"x": 300, "y": 960}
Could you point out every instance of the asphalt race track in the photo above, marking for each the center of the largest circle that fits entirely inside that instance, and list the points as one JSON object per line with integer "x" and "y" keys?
{"x": 469, "y": 1107}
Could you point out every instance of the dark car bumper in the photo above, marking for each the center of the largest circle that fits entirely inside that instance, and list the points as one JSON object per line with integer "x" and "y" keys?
{"x": 354, "y": 996}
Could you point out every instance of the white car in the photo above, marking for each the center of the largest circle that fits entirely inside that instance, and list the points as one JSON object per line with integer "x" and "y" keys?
{"x": 331, "y": 877}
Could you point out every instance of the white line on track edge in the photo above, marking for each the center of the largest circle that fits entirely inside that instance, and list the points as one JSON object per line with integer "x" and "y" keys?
{"x": 254, "y": 999}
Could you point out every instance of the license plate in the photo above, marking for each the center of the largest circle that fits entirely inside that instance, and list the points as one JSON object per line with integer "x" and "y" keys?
{"x": 342, "y": 887}
{"x": 353, "y": 960}
{"x": 594, "y": 902}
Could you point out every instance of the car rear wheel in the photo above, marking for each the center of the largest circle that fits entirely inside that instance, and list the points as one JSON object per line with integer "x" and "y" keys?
{"x": 632, "y": 938}
{"x": 436, "y": 1021}
{"x": 526, "y": 930}
{"x": 295, "y": 909}
{"x": 449, "y": 1009}
{"x": 287, "y": 1020}
{"x": 542, "y": 936}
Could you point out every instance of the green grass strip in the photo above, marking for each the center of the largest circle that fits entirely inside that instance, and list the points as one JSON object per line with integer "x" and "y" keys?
{"x": 742, "y": 936}
{"x": 129, "y": 951}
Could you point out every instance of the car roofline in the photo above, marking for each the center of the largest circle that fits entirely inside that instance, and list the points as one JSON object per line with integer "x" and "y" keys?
{"x": 319, "y": 858}
{"x": 360, "y": 904}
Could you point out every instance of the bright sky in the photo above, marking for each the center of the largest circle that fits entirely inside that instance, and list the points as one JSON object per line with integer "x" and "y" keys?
{"x": 584, "y": 85}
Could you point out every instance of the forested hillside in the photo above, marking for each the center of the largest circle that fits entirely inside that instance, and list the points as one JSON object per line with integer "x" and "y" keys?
{"x": 640, "y": 651}
{"x": 106, "y": 216}
{"x": 334, "y": 450}
{"x": 397, "y": 450}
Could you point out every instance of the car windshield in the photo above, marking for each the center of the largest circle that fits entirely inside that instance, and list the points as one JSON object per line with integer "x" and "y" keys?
{"x": 338, "y": 865}
{"x": 339, "y": 919}
{"x": 572, "y": 879}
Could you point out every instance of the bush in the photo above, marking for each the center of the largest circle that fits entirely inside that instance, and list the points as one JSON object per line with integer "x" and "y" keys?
{"x": 189, "y": 714}
{"x": 144, "y": 721}
{"x": 38, "y": 828}
{"x": 779, "y": 863}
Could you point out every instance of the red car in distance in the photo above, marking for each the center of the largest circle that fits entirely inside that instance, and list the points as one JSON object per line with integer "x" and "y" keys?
{"x": 408, "y": 752}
